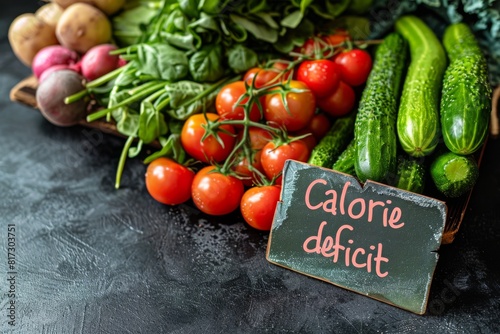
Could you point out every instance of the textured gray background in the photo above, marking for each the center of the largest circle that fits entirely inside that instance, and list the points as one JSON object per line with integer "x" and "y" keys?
{"x": 91, "y": 259}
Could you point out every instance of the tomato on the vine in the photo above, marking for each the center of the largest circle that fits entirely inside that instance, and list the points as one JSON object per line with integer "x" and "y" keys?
{"x": 340, "y": 103}
{"x": 274, "y": 156}
{"x": 259, "y": 137}
{"x": 209, "y": 149}
{"x": 337, "y": 39}
{"x": 262, "y": 77}
{"x": 229, "y": 96}
{"x": 169, "y": 182}
{"x": 258, "y": 205}
{"x": 355, "y": 66}
{"x": 322, "y": 76}
{"x": 301, "y": 107}
{"x": 242, "y": 168}
{"x": 215, "y": 193}
{"x": 319, "y": 125}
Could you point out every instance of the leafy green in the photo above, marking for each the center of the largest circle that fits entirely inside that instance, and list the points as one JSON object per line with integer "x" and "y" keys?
{"x": 188, "y": 98}
{"x": 206, "y": 64}
{"x": 241, "y": 58}
{"x": 151, "y": 123}
{"x": 162, "y": 61}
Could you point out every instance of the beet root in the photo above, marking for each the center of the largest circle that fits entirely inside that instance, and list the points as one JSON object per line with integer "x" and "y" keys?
{"x": 51, "y": 93}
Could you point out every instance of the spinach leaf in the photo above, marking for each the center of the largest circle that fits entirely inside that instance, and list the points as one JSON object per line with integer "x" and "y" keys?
{"x": 205, "y": 30}
{"x": 236, "y": 32}
{"x": 134, "y": 151}
{"x": 293, "y": 19}
{"x": 189, "y": 7}
{"x": 259, "y": 30}
{"x": 210, "y": 6}
{"x": 295, "y": 37}
{"x": 162, "y": 61}
{"x": 128, "y": 123}
{"x": 171, "y": 147}
{"x": 188, "y": 98}
{"x": 241, "y": 58}
{"x": 206, "y": 64}
{"x": 151, "y": 123}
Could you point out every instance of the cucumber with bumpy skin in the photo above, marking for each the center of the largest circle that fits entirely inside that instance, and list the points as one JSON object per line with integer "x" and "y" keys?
{"x": 454, "y": 174}
{"x": 334, "y": 142}
{"x": 418, "y": 123}
{"x": 410, "y": 175}
{"x": 345, "y": 162}
{"x": 466, "y": 94}
{"x": 375, "y": 127}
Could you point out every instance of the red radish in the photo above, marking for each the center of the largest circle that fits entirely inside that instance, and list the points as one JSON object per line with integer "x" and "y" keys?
{"x": 97, "y": 61}
{"x": 53, "y": 55}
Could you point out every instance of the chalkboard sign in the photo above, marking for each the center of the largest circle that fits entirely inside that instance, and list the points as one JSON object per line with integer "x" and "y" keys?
{"x": 373, "y": 239}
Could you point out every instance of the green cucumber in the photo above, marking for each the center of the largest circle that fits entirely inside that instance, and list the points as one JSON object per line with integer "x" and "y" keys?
{"x": 334, "y": 142}
{"x": 418, "y": 123}
{"x": 375, "y": 127}
{"x": 454, "y": 174}
{"x": 466, "y": 94}
{"x": 410, "y": 175}
{"x": 345, "y": 162}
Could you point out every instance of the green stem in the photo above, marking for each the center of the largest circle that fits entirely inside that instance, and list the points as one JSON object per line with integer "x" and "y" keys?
{"x": 163, "y": 104}
{"x": 154, "y": 96}
{"x": 101, "y": 113}
{"x": 141, "y": 88}
{"x": 132, "y": 48}
{"x": 209, "y": 90}
{"x": 121, "y": 163}
{"x": 107, "y": 77}
{"x": 93, "y": 84}
{"x": 76, "y": 97}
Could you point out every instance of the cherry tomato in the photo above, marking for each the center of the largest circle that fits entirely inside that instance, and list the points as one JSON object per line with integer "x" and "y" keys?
{"x": 215, "y": 193}
{"x": 319, "y": 125}
{"x": 242, "y": 168}
{"x": 340, "y": 102}
{"x": 209, "y": 149}
{"x": 338, "y": 37}
{"x": 267, "y": 76}
{"x": 355, "y": 66}
{"x": 273, "y": 157}
{"x": 259, "y": 137}
{"x": 301, "y": 107}
{"x": 228, "y": 97}
{"x": 308, "y": 48}
{"x": 261, "y": 77}
{"x": 169, "y": 182}
{"x": 313, "y": 47}
{"x": 322, "y": 76}
{"x": 258, "y": 205}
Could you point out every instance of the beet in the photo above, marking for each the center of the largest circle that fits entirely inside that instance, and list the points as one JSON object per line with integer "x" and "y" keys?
{"x": 51, "y": 93}
{"x": 47, "y": 72}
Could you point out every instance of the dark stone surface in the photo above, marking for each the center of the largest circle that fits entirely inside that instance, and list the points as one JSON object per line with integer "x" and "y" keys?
{"x": 91, "y": 259}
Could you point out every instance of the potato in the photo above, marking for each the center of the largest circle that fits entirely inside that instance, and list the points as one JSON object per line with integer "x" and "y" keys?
{"x": 50, "y": 14}
{"x": 82, "y": 26}
{"x": 51, "y": 93}
{"x": 109, "y": 7}
{"x": 28, "y": 35}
